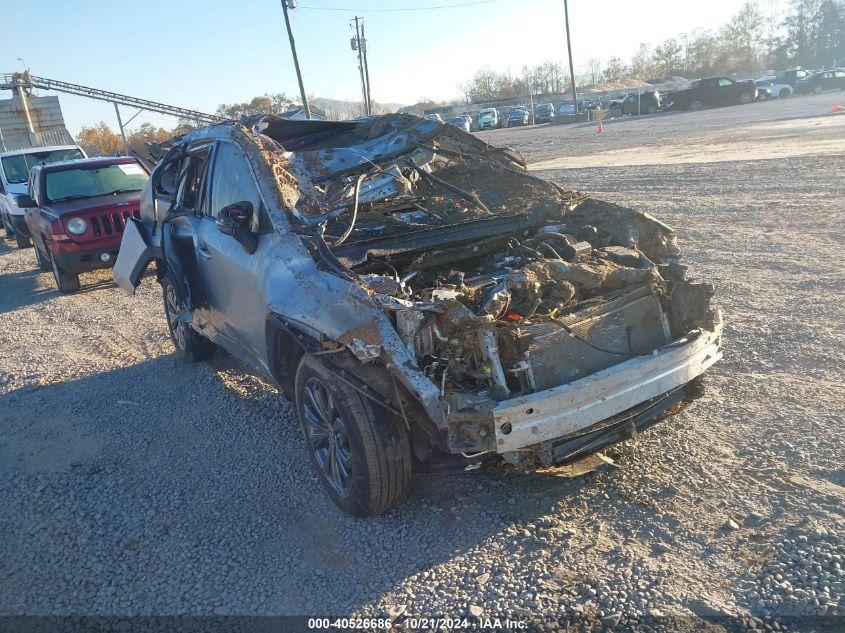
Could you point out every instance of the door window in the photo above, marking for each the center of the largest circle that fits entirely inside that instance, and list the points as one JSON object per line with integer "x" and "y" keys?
{"x": 233, "y": 181}
{"x": 192, "y": 176}
{"x": 725, "y": 82}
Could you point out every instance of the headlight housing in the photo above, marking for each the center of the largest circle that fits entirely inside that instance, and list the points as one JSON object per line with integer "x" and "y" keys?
{"x": 77, "y": 226}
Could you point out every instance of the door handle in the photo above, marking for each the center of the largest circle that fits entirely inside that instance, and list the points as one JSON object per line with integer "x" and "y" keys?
{"x": 202, "y": 249}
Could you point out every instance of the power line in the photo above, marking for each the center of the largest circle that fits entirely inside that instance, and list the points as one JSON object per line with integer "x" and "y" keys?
{"x": 397, "y": 10}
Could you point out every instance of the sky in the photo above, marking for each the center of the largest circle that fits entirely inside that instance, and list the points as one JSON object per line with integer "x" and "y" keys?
{"x": 200, "y": 53}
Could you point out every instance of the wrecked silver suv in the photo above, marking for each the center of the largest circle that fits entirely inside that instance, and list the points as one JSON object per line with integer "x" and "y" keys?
{"x": 426, "y": 302}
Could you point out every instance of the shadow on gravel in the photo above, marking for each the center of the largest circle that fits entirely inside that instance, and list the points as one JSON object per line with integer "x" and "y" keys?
{"x": 194, "y": 479}
{"x": 20, "y": 289}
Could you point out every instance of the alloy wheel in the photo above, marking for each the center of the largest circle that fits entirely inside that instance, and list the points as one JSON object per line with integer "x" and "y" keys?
{"x": 328, "y": 436}
{"x": 173, "y": 308}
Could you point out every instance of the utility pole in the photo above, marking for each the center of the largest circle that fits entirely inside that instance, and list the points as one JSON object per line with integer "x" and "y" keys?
{"x": 531, "y": 102}
{"x": 122, "y": 131}
{"x": 569, "y": 50}
{"x": 365, "y": 46}
{"x": 357, "y": 46}
{"x": 285, "y": 5}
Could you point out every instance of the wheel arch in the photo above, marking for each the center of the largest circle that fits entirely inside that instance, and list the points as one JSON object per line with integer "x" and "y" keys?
{"x": 288, "y": 344}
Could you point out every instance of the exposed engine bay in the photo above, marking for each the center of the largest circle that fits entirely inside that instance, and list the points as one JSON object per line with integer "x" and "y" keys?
{"x": 499, "y": 283}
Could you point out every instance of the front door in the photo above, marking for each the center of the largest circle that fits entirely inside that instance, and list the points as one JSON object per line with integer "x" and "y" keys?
{"x": 233, "y": 276}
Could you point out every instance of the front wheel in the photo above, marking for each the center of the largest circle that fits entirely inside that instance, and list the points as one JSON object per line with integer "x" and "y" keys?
{"x": 784, "y": 93}
{"x": 23, "y": 241}
{"x": 66, "y": 281}
{"x": 362, "y": 455}
{"x": 695, "y": 105}
{"x": 43, "y": 262}
{"x": 191, "y": 346}
{"x": 745, "y": 98}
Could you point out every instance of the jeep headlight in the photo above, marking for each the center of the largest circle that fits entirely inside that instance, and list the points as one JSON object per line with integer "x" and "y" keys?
{"x": 77, "y": 226}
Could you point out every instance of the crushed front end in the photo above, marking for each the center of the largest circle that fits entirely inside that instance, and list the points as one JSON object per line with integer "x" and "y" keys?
{"x": 520, "y": 319}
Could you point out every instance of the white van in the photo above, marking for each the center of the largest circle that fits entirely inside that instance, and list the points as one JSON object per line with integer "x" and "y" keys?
{"x": 14, "y": 177}
{"x": 488, "y": 118}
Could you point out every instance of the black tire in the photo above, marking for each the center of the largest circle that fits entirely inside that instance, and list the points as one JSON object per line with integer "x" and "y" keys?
{"x": 9, "y": 232}
{"x": 190, "y": 345}
{"x": 695, "y": 105}
{"x": 784, "y": 93}
{"x": 23, "y": 241}
{"x": 66, "y": 281}
{"x": 745, "y": 98}
{"x": 359, "y": 438}
{"x": 43, "y": 262}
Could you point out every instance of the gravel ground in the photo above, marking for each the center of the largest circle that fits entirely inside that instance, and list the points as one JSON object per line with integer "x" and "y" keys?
{"x": 132, "y": 483}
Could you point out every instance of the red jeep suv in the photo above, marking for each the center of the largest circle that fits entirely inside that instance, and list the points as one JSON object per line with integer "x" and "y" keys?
{"x": 76, "y": 211}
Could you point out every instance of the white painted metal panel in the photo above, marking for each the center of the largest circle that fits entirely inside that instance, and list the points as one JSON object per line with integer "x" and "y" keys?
{"x": 559, "y": 411}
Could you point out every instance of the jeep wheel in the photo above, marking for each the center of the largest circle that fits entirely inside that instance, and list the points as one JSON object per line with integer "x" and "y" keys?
{"x": 43, "y": 262}
{"x": 23, "y": 241}
{"x": 745, "y": 98}
{"x": 65, "y": 280}
{"x": 784, "y": 93}
{"x": 362, "y": 456}
{"x": 191, "y": 346}
{"x": 817, "y": 89}
{"x": 695, "y": 105}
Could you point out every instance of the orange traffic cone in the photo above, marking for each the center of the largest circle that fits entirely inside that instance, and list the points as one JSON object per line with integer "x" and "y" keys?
{"x": 600, "y": 128}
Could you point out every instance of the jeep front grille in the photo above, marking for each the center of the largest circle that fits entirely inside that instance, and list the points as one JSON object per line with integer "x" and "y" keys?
{"x": 111, "y": 223}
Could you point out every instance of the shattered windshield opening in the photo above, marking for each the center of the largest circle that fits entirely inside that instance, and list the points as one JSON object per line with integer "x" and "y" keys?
{"x": 401, "y": 174}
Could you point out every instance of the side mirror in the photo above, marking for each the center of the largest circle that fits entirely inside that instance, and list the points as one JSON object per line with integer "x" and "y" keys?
{"x": 236, "y": 220}
{"x": 237, "y": 215}
{"x": 24, "y": 201}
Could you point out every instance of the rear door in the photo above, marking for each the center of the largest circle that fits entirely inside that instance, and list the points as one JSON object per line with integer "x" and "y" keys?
{"x": 838, "y": 79}
{"x": 234, "y": 277}
{"x": 187, "y": 183}
{"x": 726, "y": 91}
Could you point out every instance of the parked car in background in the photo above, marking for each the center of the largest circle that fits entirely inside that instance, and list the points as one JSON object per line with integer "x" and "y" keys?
{"x": 820, "y": 81}
{"x": 589, "y": 105}
{"x": 638, "y": 103}
{"x": 14, "y": 179}
{"x": 434, "y": 117}
{"x": 518, "y": 115}
{"x": 566, "y": 109}
{"x": 488, "y": 118}
{"x": 792, "y": 76}
{"x": 76, "y": 211}
{"x": 544, "y": 112}
{"x": 715, "y": 91}
{"x": 465, "y": 123}
{"x": 768, "y": 88}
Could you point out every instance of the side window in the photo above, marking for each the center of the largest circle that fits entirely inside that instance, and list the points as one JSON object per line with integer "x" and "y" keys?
{"x": 233, "y": 182}
{"x": 725, "y": 82}
{"x": 191, "y": 182}
{"x": 840, "y": 73}
{"x": 166, "y": 180}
